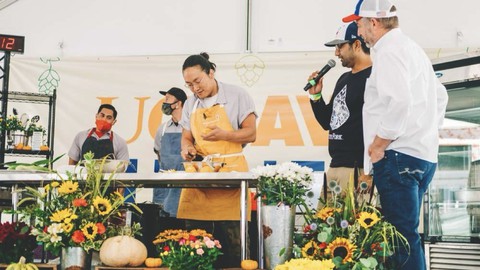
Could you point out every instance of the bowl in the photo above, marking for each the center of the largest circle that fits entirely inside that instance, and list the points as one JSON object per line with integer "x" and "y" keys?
{"x": 113, "y": 165}
{"x": 202, "y": 166}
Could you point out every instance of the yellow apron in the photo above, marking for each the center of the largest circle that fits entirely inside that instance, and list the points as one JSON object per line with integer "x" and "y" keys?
{"x": 213, "y": 203}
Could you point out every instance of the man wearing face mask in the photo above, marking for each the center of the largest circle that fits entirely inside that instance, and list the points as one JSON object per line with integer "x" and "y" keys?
{"x": 167, "y": 147}
{"x": 100, "y": 140}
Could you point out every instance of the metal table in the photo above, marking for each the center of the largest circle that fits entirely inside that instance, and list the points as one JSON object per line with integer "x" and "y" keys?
{"x": 242, "y": 180}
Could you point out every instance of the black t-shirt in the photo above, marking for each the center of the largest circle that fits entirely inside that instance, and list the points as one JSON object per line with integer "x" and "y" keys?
{"x": 342, "y": 117}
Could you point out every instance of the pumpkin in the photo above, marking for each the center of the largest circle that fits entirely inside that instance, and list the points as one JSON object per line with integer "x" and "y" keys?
{"x": 153, "y": 262}
{"x": 123, "y": 250}
{"x": 249, "y": 264}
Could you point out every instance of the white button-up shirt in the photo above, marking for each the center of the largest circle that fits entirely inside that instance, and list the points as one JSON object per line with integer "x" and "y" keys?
{"x": 404, "y": 100}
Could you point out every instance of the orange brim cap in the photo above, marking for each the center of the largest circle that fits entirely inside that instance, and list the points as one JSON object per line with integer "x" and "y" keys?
{"x": 351, "y": 18}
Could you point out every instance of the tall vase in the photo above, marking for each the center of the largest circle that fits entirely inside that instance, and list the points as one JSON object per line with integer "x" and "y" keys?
{"x": 74, "y": 258}
{"x": 278, "y": 224}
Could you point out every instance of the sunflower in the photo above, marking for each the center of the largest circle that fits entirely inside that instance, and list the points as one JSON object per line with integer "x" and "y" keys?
{"x": 90, "y": 230}
{"x": 68, "y": 187}
{"x": 326, "y": 212}
{"x": 367, "y": 220}
{"x": 310, "y": 250}
{"x": 102, "y": 205}
{"x": 67, "y": 227}
{"x": 341, "y": 247}
{"x": 60, "y": 215}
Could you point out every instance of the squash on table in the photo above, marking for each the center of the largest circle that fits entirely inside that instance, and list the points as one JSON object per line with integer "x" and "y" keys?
{"x": 249, "y": 264}
{"x": 123, "y": 250}
{"x": 153, "y": 262}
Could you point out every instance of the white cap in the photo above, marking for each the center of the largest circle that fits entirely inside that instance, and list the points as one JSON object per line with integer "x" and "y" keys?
{"x": 371, "y": 9}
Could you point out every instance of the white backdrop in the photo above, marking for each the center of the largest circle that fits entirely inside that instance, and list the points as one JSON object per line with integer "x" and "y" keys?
{"x": 164, "y": 27}
{"x": 286, "y": 126}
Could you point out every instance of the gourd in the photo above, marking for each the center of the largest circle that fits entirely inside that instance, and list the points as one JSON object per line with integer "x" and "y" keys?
{"x": 249, "y": 264}
{"x": 153, "y": 262}
{"x": 123, "y": 250}
{"x": 22, "y": 265}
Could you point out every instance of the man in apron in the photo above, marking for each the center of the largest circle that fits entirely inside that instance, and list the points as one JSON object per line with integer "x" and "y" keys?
{"x": 167, "y": 147}
{"x": 218, "y": 121}
{"x": 100, "y": 140}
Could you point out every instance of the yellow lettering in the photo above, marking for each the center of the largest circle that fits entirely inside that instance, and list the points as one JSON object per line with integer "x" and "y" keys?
{"x": 141, "y": 109}
{"x": 318, "y": 135}
{"x": 155, "y": 118}
{"x": 106, "y": 100}
{"x": 278, "y": 107}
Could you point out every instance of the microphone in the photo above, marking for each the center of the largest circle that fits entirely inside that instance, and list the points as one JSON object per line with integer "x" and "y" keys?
{"x": 331, "y": 63}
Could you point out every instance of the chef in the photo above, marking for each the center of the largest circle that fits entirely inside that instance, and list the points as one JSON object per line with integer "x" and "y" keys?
{"x": 217, "y": 122}
{"x": 167, "y": 147}
{"x": 100, "y": 140}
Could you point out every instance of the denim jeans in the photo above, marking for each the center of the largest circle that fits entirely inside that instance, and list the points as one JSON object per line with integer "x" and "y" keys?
{"x": 401, "y": 181}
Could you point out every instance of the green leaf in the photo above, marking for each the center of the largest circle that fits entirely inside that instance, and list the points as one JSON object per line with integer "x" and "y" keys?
{"x": 322, "y": 237}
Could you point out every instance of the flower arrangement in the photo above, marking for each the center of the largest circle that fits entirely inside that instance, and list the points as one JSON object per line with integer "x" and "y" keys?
{"x": 12, "y": 123}
{"x": 349, "y": 234}
{"x": 286, "y": 183}
{"x": 195, "y": 249}
{"x": 306, "y": 264}
{"x": 33, "y": 127}
{"x": 15, "y": 242}
{"x": 73, "y": 212}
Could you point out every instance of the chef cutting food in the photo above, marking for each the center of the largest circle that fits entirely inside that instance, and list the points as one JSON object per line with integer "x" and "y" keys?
{"x": 218, "y": 121}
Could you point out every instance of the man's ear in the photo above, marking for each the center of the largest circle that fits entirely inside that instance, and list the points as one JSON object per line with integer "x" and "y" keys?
{"x": 114, "y": 121}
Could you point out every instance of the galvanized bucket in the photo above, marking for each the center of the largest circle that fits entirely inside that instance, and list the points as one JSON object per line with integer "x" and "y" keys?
{"x": 74, "y": 258}
{"x": 278, "y": 224}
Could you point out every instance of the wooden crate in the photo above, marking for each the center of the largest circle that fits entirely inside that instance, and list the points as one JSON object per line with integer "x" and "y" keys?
{"x": 41, "y": 266}
{"x": 101, "y": 267}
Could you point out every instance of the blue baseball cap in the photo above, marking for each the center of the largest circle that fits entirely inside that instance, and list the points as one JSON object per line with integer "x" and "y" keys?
{"x": 346, "y": 33}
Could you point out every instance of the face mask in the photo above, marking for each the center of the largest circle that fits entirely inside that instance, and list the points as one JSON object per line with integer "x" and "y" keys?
{"x": 103, "y": 125}
{"x": 167, "y": 108}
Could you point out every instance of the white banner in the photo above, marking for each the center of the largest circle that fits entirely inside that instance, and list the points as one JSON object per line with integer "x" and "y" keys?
{"x": 287, "y": 129}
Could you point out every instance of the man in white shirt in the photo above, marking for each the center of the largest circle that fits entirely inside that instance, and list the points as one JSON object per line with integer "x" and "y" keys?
{"x": 404, "y": 108}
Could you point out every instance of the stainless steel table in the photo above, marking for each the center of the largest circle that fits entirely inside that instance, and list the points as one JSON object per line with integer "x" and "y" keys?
{"x": 242, "y": 180}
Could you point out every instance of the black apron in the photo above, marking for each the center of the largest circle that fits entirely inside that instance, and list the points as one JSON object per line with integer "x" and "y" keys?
{"x": 100, "y": 148}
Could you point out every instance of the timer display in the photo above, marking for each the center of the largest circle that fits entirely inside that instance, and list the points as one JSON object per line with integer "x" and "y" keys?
{"x": 12, "y": 43}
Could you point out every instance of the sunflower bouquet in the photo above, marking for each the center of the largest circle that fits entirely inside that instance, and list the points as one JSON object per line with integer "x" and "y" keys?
{"x": 349, "y": 234}
{"x": 73, "y": 212}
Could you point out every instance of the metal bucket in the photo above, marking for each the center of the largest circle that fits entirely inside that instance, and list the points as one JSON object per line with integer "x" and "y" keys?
{"x": 74, "y": 258}
{"x": 278, "y": 225}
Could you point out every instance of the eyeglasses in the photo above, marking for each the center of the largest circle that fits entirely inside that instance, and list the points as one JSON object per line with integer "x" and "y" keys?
{"x": 194, "y": 83}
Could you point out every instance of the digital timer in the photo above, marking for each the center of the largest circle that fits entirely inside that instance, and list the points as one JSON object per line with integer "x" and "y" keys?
{"x": 12, "y": 43}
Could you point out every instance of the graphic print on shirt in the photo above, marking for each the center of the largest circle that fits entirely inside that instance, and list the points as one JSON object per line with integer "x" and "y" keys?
{"x": 340, "y": 112}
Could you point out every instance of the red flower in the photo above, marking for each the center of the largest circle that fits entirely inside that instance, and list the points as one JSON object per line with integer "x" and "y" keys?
{"x": 322, "y": 245}
{"x": 192, "y": 238}
{"x": 78, "y": 237}
{"x": 79, "y": 202}
{"x": 166, "y": 248}
{"x": 306, "y": 229}
{"x": 376, "y": 247}
{"x": 100, "y": 228}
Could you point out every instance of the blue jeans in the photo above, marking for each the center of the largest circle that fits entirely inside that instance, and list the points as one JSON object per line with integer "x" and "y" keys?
{"x": 401, "y": 181}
